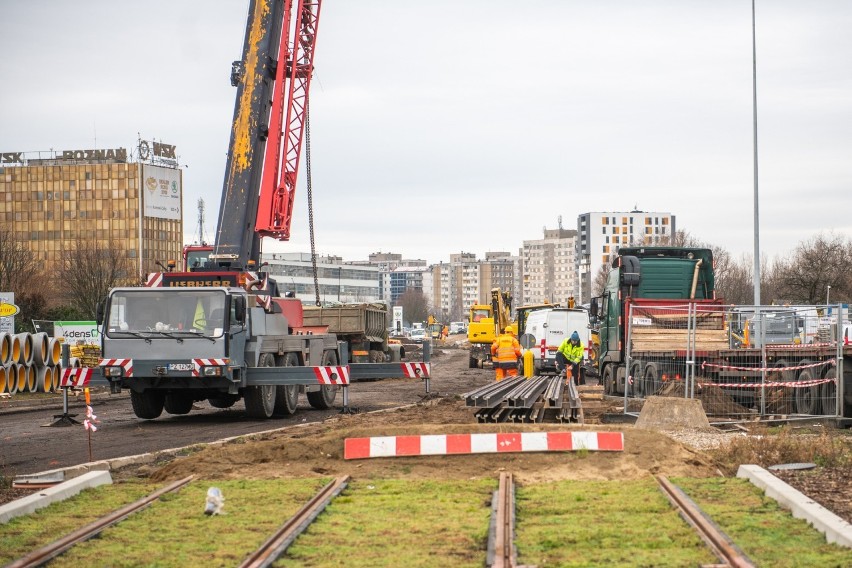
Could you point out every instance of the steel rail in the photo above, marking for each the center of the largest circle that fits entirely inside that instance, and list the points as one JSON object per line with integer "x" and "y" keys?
{"x": 57, "y": 547}
{"x": 720, "y": 543}
{"x": 501, "y": 538}
{"x": 275, "y": 545}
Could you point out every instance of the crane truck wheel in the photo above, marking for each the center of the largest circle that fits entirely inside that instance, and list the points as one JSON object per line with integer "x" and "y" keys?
{"x": 287, "y": 396}
{"x": 223, "y": 401}
{"x": 178, "y": 403}
{"x": 651, "y": 379}
{"x": 260, "y": 399}
{"x": 147, "y": 404}
{"x": 323, "y": 399}
{"x": 807, "y": 398}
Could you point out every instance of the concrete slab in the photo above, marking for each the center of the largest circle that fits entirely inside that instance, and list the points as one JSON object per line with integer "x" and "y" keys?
{"x": 59, "y": 492}
{"x": 834, "y": 528}
{"x": 672, "y": 413}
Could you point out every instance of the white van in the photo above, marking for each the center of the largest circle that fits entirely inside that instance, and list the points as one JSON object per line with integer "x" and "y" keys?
{"x": 553, "y": 325}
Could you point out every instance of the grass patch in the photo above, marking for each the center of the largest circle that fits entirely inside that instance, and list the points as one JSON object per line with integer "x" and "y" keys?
{"x": 175, "y": 532}
{"x": 399, "y": 523}
{"x": 24, "y": 534}
{"x": 769, "y": 535}
{"x": 787, "y": 446}
{"x": 603, "y": 523}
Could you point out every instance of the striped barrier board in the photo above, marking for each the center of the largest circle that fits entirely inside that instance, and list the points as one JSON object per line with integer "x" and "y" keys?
{"x": 461, "y": 444}
{"x": 335, "y": 375}
{"x": 155, "y": 280}
{"x": 416, "y": 370}
{"x": 75, "y": 377}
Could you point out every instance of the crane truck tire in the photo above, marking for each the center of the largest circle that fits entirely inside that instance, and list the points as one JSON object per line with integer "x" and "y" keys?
{"x": 260, "y": 399}
{"x": 223, "y": 400}
{"x": 286, "y": 396}
{"x": 147, "y": 404}
{"x": 609, "y": 379}
{"x": 178, "y": 402}
{"x": 323, "y": 398}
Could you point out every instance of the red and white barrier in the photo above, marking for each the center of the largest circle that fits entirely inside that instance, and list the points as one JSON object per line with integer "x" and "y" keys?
{"x": 335, "y": 375}
{"x": 769, "y": 369}
{"x": 416, "y": 370}
{"x": 783, "y": 384}
{"x": 75, "y": 377}
{"x": 460, "y": 444}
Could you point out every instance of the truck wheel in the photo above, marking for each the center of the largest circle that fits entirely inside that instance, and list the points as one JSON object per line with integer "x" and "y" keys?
{"x": 147, "y": 404}
{"x": 260, "y": 399}
{"x": 223, "y": 401}
{"x": 829, "y": 393}
{"x": 178, "y": 403}
{"x": 651, "y": 379}
{"x": 473, "y": 363}
{"x": 323, "y": 399}
{"x": 807, "y": 398}
{"x": 636, "y": 373}
{"x": 609, "y": 379}
{"x": 287, "y": 396}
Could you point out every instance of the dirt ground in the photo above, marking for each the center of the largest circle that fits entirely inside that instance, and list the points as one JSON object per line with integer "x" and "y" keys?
{"x": 318, "y": 450}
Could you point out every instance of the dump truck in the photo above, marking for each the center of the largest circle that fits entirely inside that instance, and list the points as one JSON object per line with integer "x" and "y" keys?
{"x": 659, "y": 320}
{"x": 362, "y": 326}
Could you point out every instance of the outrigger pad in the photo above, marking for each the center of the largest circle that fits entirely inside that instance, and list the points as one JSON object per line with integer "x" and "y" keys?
{"x": 668, "y": 413}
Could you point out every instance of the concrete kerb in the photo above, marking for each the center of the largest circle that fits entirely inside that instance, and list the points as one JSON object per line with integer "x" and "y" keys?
{"x": 835, "y": 529}
{"x": 45, "y": 497}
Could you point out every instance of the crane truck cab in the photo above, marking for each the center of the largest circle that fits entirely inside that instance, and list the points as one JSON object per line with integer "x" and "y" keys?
{"x": 173, "y": 346}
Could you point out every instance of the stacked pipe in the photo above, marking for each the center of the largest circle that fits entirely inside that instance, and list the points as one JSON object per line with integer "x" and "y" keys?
{"x": 29, "y": 362}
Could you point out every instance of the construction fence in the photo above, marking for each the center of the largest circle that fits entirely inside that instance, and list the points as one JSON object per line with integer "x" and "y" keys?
{"x": 742, "y": 362}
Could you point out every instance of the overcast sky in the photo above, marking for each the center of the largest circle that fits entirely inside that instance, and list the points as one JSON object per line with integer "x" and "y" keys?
{"x": 466, "y": 125}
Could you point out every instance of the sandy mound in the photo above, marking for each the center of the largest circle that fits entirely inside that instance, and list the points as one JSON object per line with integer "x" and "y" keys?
{"x": 318, "y": 450}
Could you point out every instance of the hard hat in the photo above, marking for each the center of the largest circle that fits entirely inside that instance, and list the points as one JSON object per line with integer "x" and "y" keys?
{"x": 575, "y": 336}
{"x": 507, "y": 329}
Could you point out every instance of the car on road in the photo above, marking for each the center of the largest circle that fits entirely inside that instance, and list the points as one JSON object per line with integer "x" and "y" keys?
{"x": 418, "y": 334}
{"x": 458, "y": 327}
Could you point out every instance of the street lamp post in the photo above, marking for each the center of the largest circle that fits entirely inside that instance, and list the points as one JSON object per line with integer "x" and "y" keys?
{"x": 827, "y": 293}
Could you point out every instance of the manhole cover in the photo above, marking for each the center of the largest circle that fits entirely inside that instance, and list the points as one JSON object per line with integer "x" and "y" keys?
{"x": 792, "y": 466}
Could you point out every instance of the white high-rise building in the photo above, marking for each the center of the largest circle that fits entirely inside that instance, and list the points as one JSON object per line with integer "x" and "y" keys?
{"x": 549, "y": 268}
{"x": 601, "y": 234}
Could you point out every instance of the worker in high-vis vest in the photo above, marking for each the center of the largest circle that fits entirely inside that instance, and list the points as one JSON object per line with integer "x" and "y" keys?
{"x": 504, "y": 354}
{"x": 569, "y": 356}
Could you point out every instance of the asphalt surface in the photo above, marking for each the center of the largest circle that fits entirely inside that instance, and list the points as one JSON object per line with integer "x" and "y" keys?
{"x": 31, "y": 444}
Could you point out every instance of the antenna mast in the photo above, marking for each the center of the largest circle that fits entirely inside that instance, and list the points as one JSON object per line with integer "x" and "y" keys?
{"x": 201, "y": 240}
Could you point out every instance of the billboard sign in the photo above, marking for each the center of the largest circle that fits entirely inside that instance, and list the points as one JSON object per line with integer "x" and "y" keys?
{"x": 162, "y": 192}
{"x": 77, "y": 332}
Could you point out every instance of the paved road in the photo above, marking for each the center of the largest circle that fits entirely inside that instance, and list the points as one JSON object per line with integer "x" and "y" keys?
{"x": 29, "y": 445}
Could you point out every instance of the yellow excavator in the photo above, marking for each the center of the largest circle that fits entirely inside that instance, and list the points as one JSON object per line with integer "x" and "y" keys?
{"x": 486, "y": 323}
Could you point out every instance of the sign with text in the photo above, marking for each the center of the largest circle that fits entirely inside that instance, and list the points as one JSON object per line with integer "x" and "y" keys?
{"x": 8, "y": 309}
{"x": 77, "y": 332}
{"x": 162, "y": 190}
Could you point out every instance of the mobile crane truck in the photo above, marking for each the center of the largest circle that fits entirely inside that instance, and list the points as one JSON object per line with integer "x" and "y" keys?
{"x": 219, "y": 331}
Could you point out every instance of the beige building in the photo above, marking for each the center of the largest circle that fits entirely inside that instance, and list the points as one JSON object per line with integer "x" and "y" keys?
{"x": 52, "y": 199}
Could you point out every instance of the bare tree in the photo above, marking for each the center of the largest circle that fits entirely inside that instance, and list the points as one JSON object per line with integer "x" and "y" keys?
{"x": 414, "y": 305}
{"x": 90, "y": 269}
{"x": 18, "y": 265}
{"x": 815, "y": 265}
{"x": 601, "y": 277}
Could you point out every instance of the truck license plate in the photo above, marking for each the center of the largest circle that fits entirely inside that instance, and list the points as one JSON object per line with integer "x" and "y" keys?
{"x": 180, "y": 366}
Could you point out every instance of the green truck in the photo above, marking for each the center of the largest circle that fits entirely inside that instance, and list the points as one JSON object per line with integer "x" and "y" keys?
{"x": 659, "y": 320}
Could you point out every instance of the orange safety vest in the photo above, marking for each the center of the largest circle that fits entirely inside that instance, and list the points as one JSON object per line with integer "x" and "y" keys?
{"x": 505, "y": 350}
